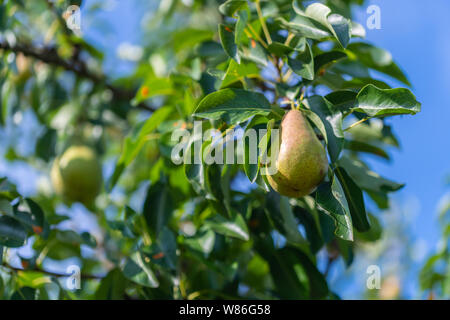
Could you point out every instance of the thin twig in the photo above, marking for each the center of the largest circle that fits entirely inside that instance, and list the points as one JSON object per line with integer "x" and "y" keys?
{"x": 263, "y": 23}
{"x": 356, "y": 123}
{"x": 50, "y": 56}
{"x": 289, "y": 39}
{"x": 256, "y": 35}
{"x": 50, "y": 273}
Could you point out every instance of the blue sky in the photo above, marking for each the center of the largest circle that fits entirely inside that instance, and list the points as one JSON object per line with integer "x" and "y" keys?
{"x": 416, "y": 33}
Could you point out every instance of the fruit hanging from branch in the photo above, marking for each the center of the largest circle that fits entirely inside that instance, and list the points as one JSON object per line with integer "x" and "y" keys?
{"x": 301, "y": 163}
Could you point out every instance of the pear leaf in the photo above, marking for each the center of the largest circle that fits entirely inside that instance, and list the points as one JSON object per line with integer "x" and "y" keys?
{"x": 232, "y": 105}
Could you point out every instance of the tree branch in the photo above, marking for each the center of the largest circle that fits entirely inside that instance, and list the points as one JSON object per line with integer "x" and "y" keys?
{"x": 49, "y": 56}
{"x": 52, "y": 274}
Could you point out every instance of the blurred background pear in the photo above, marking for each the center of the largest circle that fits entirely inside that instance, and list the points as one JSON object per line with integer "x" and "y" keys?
{"x": 390, "y": 288}
{"x": 77, "y": 175}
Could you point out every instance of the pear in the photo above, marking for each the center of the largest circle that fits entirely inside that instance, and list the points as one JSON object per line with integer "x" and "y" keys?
{"x": 390, "y": 288}
{"x": 301, "y": 162}
{"x": 77, "y": 175}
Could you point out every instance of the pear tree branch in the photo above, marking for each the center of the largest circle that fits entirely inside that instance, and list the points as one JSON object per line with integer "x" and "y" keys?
{"x": 50, "y": 273}
{"x": 50, "y": 56}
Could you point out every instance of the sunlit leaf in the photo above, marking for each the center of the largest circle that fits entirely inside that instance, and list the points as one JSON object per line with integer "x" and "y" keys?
{"x": 232, "y": 105}
{"x": 330, "y": 198}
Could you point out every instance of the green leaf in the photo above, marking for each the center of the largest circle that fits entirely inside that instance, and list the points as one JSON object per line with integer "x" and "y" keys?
{"x": 331, "y": 199}
{"x": 229, "y": 7}
{"x": 236, "y": 227}
{"x": 12, "y": 232}
{"x": 313, "y": 234}
{"x": 88, "y": 239}
{"x": 280, "y": 212}
{"x": 202, "y": 242}
{"x": 251, "y": 159}
{"x": 332, "y": 122}
{"x": 279, "y": 49}
{"x": 257, "y": 53}
{"x": 112, "y": 287}
{"x": 6, "y": 207}
{"x": 158, "y": 207}
{"x": 377, "y": 102}
{"x": 153, "y": 87}
{"x": 5, "y": 92}
{"x": 211, "y": 50}
{"x": 189, "y": 37}
{"x": 305, "y": 27}
{"x": 238, "y": 72}
{"x": 232, "y": 105}
{"x": 343, "y": 100}
{"x": 265, "y": 142}
{"x": 193, "y": 167}
{"x": 374, "y": 132}
{"x": 24, "y": 293}
{"x": 337, "y": 82}
{"x": 358, "y": 30}
{"x": 241, "y": 23}
{"x": 377, "y": 59}
{"x": 212, "y": 176}
{"x": 284, "y": 90}
{"x": 303, "y": 63}
{"x": 355, "y": 200}
{"x": 359, "y": 146}
{"x": 32, "y": 279}
{"x": 294, "y": 275}
{"x": 8, "y": 190}
{"x": 61, "y": 244}
{"x": 367, "y": 179}
{"x": 353, "y": 68}
{"x": 346, "y": 250}
{"x": 317, "y": 121}
{"x": 325, "y": 59}
{"x": 138, "y": 271}
{"x": 136, "y": 140}
{"x": 163, "y": 250}
{"x": 45, "y": 145}
{"x": 339, "y": 26}
{"x": 227, "y": 38}
{"x": 37, "y": 215}
{"x": 213, "y": 188}
{"x": 375, "y": 231}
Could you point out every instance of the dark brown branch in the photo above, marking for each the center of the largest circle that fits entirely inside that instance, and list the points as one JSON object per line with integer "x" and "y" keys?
{"x": 49, "y": 55}
{"x": 52, "y": 274}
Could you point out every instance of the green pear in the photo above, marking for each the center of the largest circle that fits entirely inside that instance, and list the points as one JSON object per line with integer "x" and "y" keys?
{"x": 77, "y": 175}
{"x": 301, "y": 162}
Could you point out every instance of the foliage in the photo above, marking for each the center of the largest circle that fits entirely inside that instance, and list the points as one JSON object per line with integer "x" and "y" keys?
{"x": 199, "y": 230}
{"x": 435, "y": 274}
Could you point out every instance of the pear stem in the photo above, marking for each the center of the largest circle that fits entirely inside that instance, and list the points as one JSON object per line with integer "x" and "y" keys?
{"x": 302, "y": 95}
{"x": 356, "y": 123}
{"x": 293, "y": 105}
